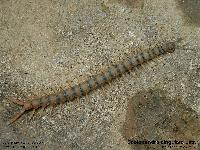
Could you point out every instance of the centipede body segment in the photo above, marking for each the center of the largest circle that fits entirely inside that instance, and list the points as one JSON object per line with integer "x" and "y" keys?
{"x": 95, "y": 81}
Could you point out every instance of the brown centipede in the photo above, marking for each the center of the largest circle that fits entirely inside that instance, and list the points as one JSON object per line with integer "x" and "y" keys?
{"x": 94, "y": 82}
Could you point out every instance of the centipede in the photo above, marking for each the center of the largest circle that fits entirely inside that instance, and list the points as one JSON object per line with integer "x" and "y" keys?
{"x": 94, "y": 82}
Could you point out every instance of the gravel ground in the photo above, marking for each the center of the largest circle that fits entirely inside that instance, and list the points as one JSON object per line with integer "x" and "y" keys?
{"x": 51, "y": 44}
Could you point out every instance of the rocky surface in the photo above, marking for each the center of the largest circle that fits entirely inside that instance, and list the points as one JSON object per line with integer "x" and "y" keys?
{"x": 51, "y": 44}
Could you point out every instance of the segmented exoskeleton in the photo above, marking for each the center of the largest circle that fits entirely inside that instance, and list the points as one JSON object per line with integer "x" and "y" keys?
{"x": 96, "y": 81}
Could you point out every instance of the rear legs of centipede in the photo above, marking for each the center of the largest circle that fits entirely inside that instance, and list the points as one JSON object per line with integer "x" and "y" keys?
{"x": 25, "y": 106}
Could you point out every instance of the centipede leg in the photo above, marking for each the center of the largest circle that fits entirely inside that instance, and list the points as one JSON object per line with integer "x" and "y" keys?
{"x": 70, "y": 105}
{"x": 16, "y": 117}
{"x": 87, "y": 98}
{"x": 102, "y": 90}
{"x": 53, "y": 106}
{"x": 16, "y": 101}
{"x": 135, "y": 72}
{"x": 158, "y": 59}
{"x": 142, "y": 66}
{"x": 61, "y": 108}
{"x": 32, "y": 114}
{"x": 26, "y": 106}
{"x": 42, "y": 110}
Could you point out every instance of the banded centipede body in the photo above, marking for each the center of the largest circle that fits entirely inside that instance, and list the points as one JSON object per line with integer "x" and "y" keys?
{"x": 95, "y": 82}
